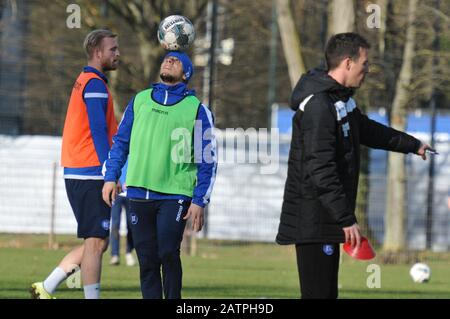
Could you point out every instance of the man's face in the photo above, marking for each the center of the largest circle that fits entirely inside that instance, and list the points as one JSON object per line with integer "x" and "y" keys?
{"x": 172, "y": 70}
{"x": 109, "y": 54}
{"x": 357, "y": 69}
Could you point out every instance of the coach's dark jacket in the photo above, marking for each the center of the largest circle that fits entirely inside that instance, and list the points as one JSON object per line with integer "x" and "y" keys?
{"x": 323, "y": 168}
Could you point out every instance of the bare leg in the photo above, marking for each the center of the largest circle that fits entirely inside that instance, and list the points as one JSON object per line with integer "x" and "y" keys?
{"x": 91, "y": 263}
{"x": 68, "y": 265}
{"x": 72, "y": 260}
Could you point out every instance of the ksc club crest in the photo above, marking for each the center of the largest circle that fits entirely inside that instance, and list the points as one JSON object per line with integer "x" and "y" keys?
{"x": 105, "y": 224}
{"x": 328, "y": 250}
{"x": 133, "y": 218}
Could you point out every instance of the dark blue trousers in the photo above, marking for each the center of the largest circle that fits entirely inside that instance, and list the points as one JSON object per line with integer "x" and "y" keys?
{"x": 157, "y": 228}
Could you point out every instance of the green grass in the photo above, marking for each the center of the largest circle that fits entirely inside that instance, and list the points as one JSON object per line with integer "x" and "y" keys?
{"x": 220, "y": 270}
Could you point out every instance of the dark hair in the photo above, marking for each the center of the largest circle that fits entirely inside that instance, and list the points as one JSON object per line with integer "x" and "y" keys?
{"x": 344, "y": 45}
{"x": 94, "y": 39}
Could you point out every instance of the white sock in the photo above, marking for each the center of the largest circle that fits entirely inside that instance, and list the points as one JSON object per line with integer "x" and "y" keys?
{"x": 92, "y": 291}
{"x": 54, "y": 279}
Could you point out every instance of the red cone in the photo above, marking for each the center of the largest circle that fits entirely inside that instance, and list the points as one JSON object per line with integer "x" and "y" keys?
{"x": 365, "y": 251}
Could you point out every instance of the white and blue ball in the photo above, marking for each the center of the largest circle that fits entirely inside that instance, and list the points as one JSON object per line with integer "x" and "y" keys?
{"x": 176, "y": 33}
{"x": 420, "y": 273}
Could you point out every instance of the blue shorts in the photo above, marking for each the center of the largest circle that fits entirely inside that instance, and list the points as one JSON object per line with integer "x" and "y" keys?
{"x": 91, "y": 212}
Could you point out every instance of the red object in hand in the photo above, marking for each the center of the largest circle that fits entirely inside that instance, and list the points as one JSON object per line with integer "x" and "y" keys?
{"x": 365, "y": 251}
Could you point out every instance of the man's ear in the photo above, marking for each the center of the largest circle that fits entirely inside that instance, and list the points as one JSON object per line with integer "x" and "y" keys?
{"x": 184, "y": 78}
{"x": 348, "y": 63}
{"x": 97, "y": 52}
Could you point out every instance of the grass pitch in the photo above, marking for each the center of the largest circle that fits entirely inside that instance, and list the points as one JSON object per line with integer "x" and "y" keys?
{"x": 219, "y": 270}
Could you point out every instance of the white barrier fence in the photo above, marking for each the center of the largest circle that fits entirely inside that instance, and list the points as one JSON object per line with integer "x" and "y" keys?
{"x": 245, "y": 203}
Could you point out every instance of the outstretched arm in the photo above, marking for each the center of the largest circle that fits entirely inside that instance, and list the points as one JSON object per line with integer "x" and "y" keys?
{"x": 377, "y": 135}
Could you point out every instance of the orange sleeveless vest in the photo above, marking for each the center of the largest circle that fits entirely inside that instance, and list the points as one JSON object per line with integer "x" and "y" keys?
{"x": 78, "y": 148}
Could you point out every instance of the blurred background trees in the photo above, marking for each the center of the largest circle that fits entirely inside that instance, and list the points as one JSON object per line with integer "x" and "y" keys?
{"x": 51, "y": 54}
{"x": 262, "y": 48}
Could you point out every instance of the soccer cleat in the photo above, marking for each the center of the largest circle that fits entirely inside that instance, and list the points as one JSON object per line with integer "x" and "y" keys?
{"x": 130, "y": 259}
{"x": 38, "y": 292}
{"x": 114, "y": 260}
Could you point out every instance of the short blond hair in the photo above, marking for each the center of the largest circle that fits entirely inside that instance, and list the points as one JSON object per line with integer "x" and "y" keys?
{"x": 94, "y": 39}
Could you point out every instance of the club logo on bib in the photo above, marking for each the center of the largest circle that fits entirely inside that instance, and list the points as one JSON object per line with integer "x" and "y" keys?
{"x": 328, "y": 250}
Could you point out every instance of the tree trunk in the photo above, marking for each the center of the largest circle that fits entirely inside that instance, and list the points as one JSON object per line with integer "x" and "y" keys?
{"x": 149, "y": 57}
{"x": 382, "y": 31}
{"x": 113, "y": 84}
{"x": 363, "y": 194}
{"x": 341, "y": 17}
{"x": 395, "y": 219}
{"x": 290, "y": 39}
{"x": 362, "y": 199}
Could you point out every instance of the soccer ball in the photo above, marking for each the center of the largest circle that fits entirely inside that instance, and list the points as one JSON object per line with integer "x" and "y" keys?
{"x": 420, "y": 273}
{"x": 176, "y": 33}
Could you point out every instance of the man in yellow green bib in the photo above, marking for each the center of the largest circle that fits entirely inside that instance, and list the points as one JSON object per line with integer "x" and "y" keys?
{"x": 166, "y": 134}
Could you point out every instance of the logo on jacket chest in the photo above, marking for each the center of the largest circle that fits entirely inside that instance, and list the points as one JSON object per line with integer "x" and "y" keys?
{"x": 345, "y": 129}
{"x": 342, "y": 110}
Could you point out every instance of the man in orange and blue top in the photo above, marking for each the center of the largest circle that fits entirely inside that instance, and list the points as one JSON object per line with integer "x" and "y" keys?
{"x": 88, "y": 130}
